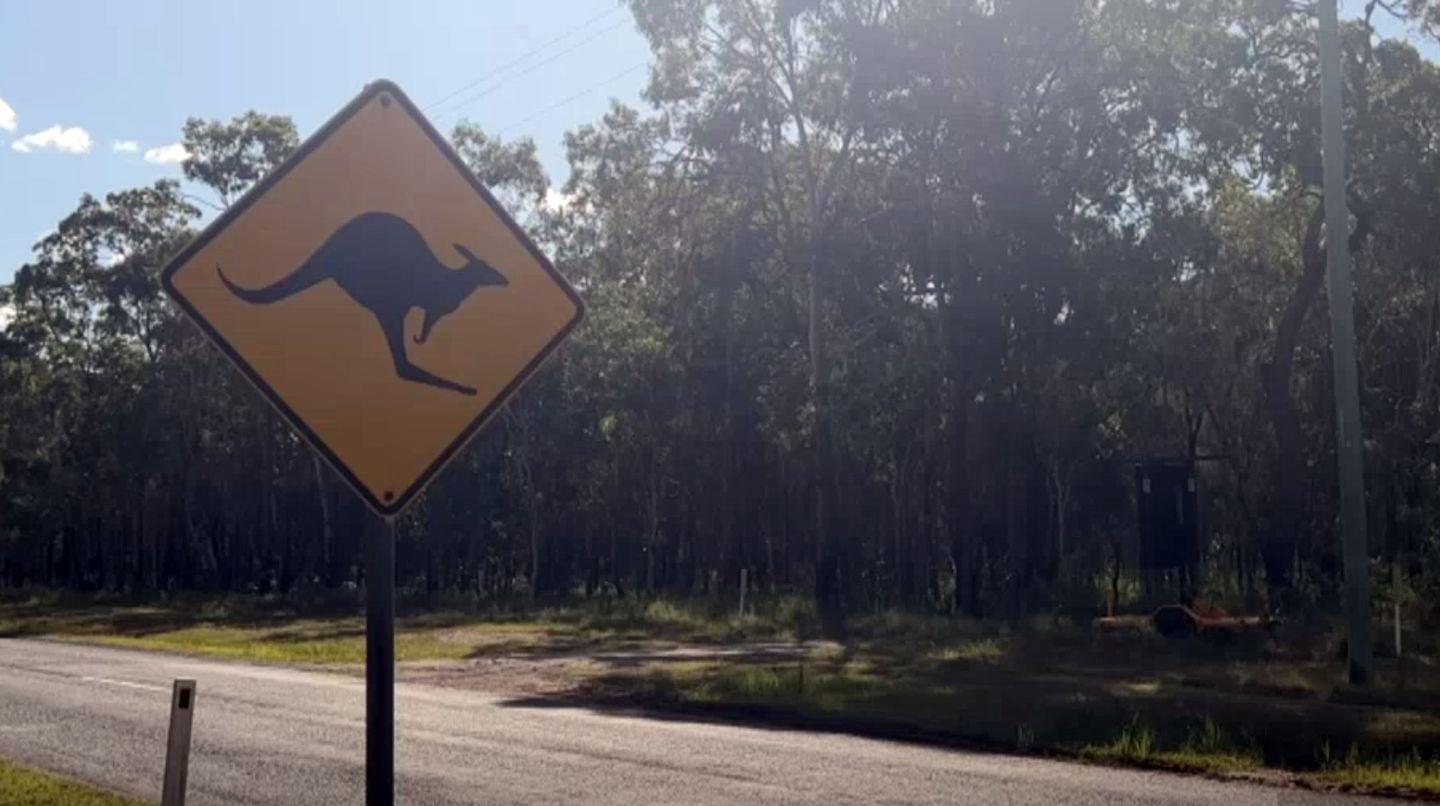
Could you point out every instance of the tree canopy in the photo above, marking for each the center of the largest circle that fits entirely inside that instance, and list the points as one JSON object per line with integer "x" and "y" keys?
{"x": 886, "y": 300}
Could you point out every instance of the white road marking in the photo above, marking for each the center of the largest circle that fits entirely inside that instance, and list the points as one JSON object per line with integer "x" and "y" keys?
{"x": 125, "y": 683}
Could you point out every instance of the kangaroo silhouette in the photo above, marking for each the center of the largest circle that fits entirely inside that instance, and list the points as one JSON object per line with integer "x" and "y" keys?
{"x": 384, "y": 264}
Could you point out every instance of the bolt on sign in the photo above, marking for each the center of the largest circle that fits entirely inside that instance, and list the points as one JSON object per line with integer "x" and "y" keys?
{"x": 377, "y": 295}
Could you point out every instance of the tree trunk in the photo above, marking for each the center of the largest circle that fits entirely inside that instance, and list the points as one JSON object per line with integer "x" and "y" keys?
{"x": 1276, "y": 377}
{"x": 327, "y": 529}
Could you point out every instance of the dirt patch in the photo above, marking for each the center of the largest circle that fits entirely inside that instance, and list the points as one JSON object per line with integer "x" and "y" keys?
{"x": 510, "y": 676}
{"x": 536, "y": 665}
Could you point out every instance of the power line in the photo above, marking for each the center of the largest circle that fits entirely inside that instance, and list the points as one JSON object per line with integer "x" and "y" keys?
{"x": 524, "y": 56}
{"x": 577, "y": 96}
{"x": 501, "y": 83}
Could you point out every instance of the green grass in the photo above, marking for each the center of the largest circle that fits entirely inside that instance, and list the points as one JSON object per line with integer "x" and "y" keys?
{"x": 1136, "y": 742}
{"x": 334, "y": 642}
{"x": 1410, "y": 771}
{"x": 1206, "y": 749}
{"x": 980, "y": 650}
{"x": 22, "y": 786}
{"x": 783, "y": 618}
{"x": 806, "y": 688}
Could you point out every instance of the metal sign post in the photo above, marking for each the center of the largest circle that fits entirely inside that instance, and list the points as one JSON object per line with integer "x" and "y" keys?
{"x": 387, "y": 306}
{"x": 380, "y": 661}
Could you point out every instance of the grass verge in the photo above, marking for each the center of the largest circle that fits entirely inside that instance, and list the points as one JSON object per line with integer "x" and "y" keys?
{"x": 1138, "y": 700}
{"x": 22, "y": 786}
{"x": 1042, "y": 685}
{"x": 303, "y": 642}
{"x": 1208, "y": 749}
{"x": 1410, "y": 773}
{"x": 328, "y": 632}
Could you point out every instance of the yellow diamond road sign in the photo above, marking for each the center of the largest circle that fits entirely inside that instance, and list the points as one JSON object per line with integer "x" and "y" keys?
{"x": 377, "y": 295}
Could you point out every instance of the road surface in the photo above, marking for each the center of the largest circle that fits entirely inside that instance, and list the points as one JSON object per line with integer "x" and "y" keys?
{"x": 265, "y": 735}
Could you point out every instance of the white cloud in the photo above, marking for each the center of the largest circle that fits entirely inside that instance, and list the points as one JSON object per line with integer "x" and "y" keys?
{"x": 73, "y": 140}
{"x": 174, "y": 152}
{"x": 127, "y": 146}
{"x": 7, "y": 315}
{"x": 112, "y": 259}
{"x": 7, "y": 116}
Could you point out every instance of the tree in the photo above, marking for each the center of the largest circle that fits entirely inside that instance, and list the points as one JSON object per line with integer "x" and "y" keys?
{"x": 885, "y": 301}
{"x": 229, "y": 157}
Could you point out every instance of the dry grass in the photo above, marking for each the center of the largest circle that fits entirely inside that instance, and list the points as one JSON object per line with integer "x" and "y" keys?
{"x": 330, "y": 633}
{"x": 247, "y": 629}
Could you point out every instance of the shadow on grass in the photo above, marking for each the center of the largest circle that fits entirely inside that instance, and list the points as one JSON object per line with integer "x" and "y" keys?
{"x": 764, "y": 717}
{"x": 986, "y": 705}
{"x": 1099, "y": 733}
{"x": 60, "y": 614}
{"x": 66, "y": 614}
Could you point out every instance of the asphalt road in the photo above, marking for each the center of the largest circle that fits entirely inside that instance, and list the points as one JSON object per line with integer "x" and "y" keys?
{"x": 277, "y": 736}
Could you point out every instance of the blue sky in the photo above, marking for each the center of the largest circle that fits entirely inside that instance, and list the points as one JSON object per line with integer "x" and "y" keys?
{"x": 108, "y": 72}
{"x": 81, "y": 78}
